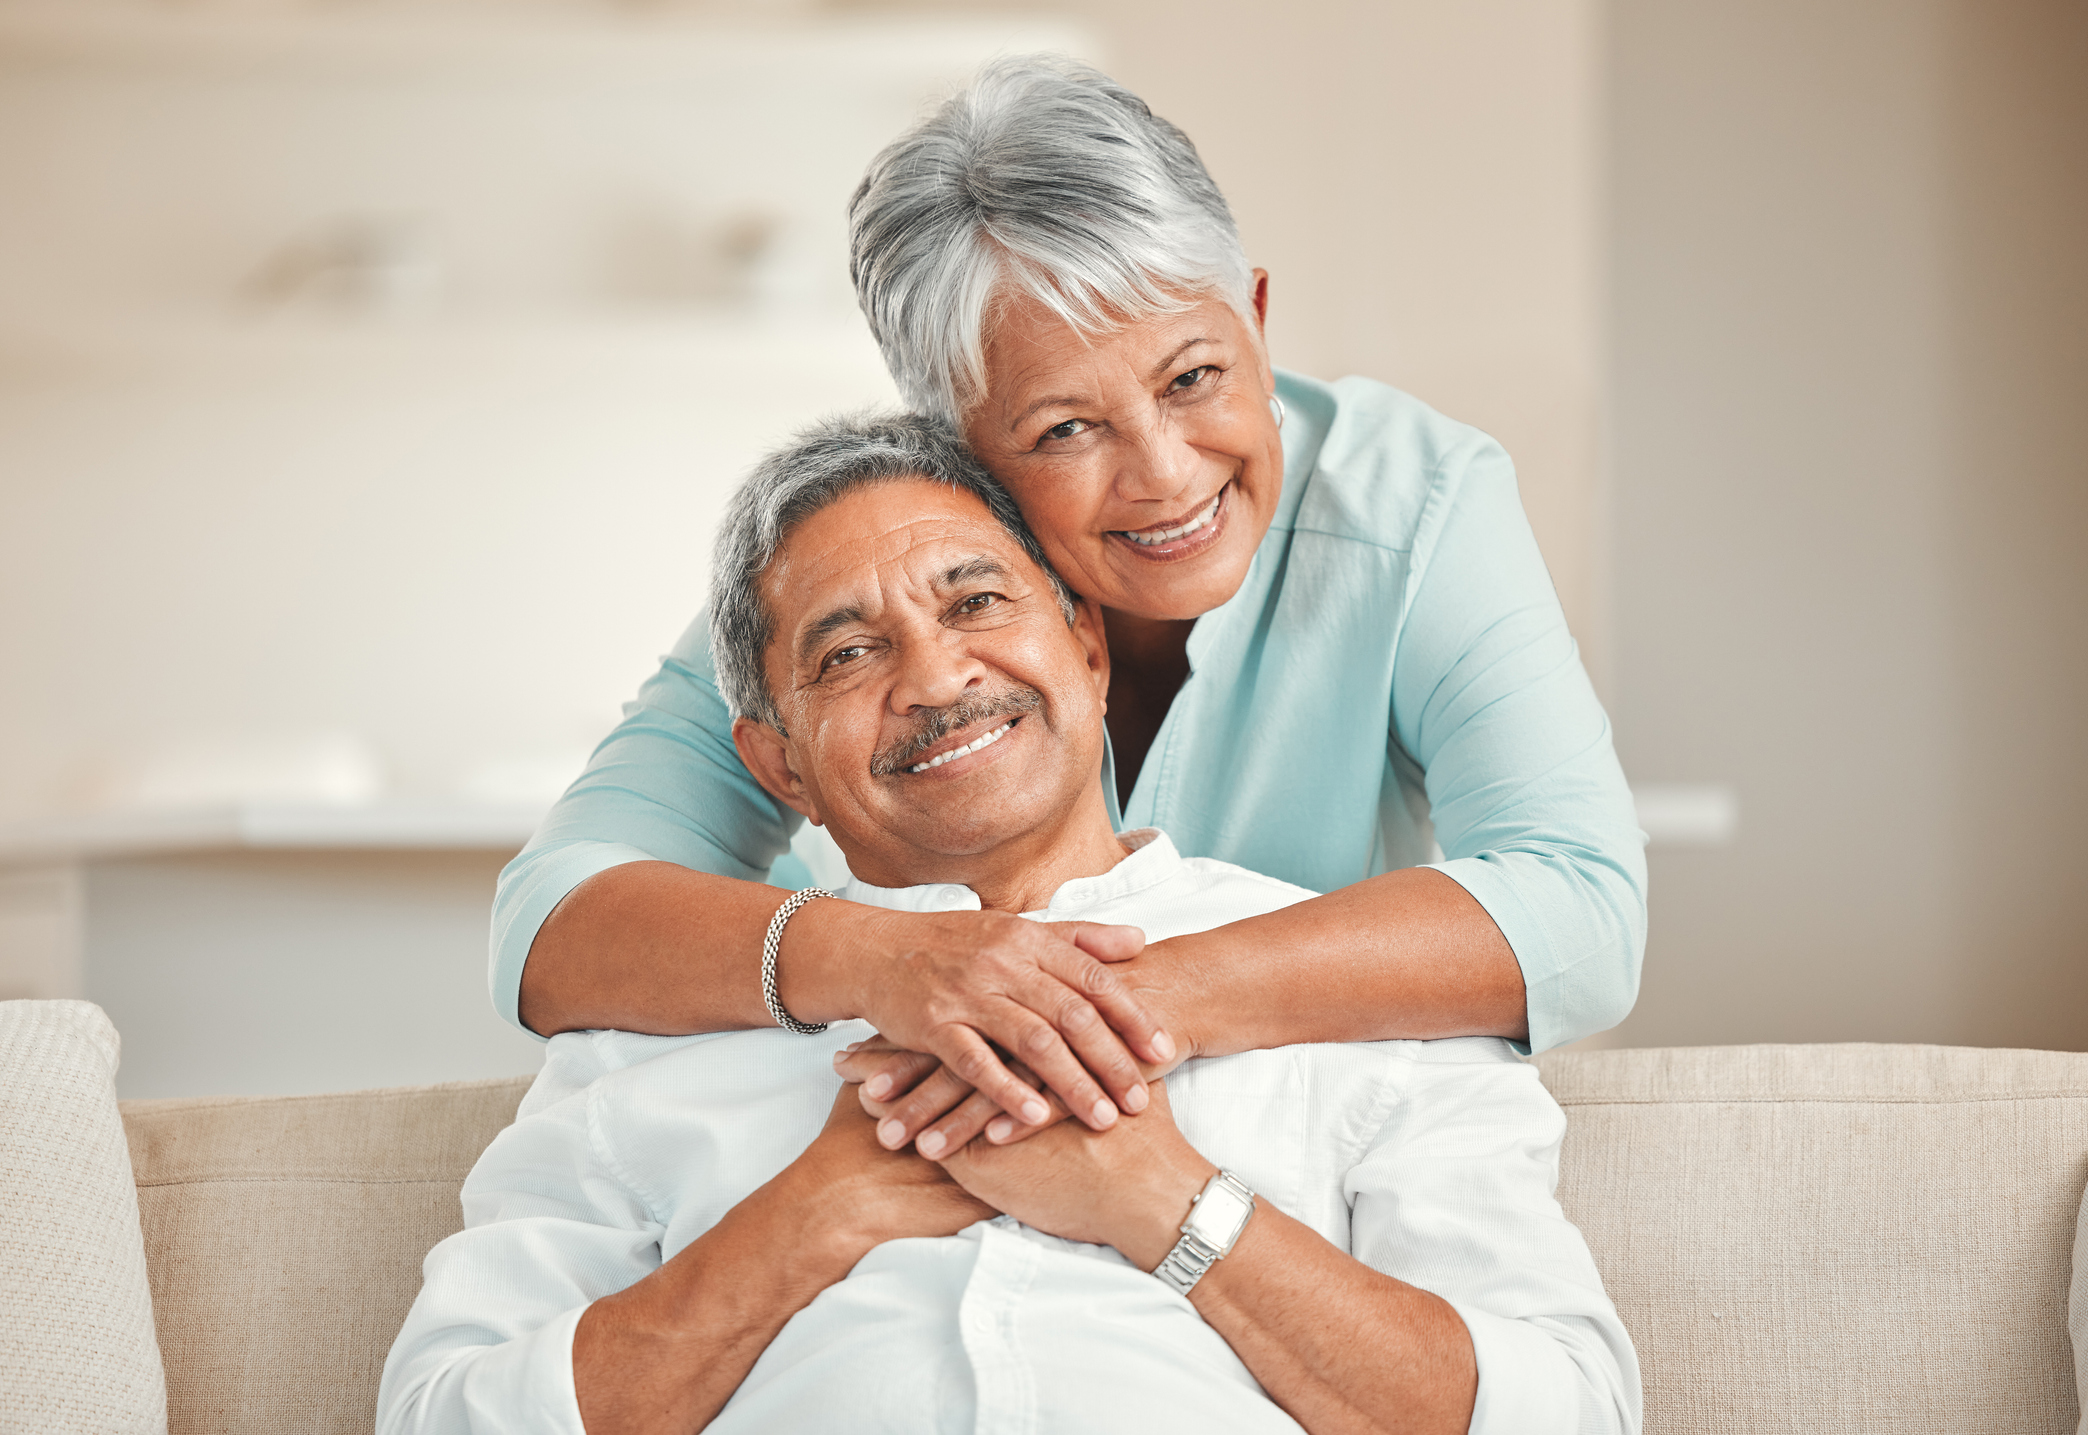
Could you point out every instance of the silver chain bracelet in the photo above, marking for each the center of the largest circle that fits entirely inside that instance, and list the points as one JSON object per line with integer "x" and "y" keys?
{"x": 769, "y": 947}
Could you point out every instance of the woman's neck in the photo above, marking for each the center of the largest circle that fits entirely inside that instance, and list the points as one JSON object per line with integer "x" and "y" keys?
{"x": 1148, "y": 663}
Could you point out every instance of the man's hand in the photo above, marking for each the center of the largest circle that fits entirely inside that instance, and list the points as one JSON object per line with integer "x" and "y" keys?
{"x": 963, "y": 987}
{"x": 1129, "y": 1187}
{"x": 847, "y": 1187}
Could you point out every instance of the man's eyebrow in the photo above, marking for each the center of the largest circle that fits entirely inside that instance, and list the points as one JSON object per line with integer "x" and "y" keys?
{"x": 971, "y": 570}
{"x": 818, "y": 632}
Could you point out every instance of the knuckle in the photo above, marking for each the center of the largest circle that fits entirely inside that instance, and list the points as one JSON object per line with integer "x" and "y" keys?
{"x": 1075, "y": 1017}
{"x": 973, "y": 1064}
{"x": 1038, "y": 1040}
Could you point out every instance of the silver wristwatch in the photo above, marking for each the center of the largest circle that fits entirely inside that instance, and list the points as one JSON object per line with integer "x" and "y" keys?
{"x": 1216, "y": 1218}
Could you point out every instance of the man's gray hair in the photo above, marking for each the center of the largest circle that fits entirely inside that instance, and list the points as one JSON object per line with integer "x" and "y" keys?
{"x": 1048, "y": 179}
{"x": 815, "y": 468}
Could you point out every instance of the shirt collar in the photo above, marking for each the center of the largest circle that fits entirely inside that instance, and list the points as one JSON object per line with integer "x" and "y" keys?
{"x": 1152, "y": 861}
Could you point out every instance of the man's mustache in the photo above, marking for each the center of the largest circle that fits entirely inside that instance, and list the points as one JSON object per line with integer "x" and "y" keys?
{"x": 933, "y": 726}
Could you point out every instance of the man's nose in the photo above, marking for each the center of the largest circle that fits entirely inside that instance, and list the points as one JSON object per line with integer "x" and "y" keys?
{"x": 934, "y": 671}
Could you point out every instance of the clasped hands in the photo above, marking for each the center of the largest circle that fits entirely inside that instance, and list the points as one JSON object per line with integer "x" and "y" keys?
{"x": 1037, "y": 1026}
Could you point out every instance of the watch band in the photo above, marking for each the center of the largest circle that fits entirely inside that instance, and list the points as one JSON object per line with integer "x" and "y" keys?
{"x": 1195, "y": 1253}
{"x": 769, "y": 947}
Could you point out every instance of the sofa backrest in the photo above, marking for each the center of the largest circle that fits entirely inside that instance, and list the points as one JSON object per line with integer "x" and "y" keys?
{"x": 1828, "y": 1238}
{"x": 284, "y": 1238}
{"x": 1835, "y": 1238}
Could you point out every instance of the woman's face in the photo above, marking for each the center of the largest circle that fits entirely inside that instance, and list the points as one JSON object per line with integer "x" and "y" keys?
{"x": 1147, "y": 460}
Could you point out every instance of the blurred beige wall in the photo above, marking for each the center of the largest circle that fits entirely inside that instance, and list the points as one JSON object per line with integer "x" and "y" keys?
{"x": 1852, "y": 500}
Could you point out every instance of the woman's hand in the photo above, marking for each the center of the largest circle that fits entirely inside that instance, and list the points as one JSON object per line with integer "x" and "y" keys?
{"x": 964, "y": 988}
{"x": 917, "y": 1098}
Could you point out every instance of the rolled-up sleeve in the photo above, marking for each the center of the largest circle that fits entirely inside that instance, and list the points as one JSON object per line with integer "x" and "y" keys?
{"x": 488, "y": 1344}
{"x": 666, "y": 785}
{"x": 1528, "y": 801}
{"x": 1455, "y": 1195}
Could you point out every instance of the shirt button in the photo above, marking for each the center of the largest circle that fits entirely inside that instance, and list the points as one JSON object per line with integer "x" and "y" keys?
{"x": 981, "y": 1322}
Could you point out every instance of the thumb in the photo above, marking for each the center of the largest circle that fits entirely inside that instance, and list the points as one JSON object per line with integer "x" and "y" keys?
{"x": 1105, "y": 943}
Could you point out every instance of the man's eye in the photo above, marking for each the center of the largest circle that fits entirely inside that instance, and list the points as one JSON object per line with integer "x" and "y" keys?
{"x": 843, "y": 655}
{"x": 1192, "y": 378}
{"x": 978, "y": 603}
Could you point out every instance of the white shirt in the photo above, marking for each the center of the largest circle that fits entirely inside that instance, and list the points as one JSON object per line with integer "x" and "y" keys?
{"x": 1433, "y": 1162}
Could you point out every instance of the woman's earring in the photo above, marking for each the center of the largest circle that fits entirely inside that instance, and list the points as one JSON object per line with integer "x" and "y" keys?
{"x": 1276, "y": 408}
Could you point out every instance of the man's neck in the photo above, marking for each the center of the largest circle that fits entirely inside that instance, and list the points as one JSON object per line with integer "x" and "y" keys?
{"x": 1021, "y": 874}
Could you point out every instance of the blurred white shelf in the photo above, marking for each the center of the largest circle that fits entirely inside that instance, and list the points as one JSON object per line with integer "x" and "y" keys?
{"x": 608, "y": 43}
{"x": 388, "y": 826}
{"x": 1688, "y": 814}
{"x": 573, "y": 339}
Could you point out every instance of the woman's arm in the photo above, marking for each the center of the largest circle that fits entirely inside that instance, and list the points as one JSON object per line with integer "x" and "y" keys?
{"x": 638, "y": 906}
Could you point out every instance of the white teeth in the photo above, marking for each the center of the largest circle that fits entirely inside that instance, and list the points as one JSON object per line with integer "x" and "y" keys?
{"x": 956, "y": 752}
{"x": 1169, "y": 535}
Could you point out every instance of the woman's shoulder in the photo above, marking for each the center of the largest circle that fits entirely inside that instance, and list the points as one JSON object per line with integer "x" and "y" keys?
{"x": 1371, "y": 462}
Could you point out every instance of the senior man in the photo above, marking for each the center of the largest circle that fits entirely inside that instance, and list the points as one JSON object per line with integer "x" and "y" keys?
{"x": 703, "y": 1232}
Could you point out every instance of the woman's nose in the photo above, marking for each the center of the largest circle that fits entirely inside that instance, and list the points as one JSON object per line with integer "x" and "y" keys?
{"x": 1159, "y": 463}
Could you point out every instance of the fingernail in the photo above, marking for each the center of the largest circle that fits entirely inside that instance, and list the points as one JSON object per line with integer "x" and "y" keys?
{"x": 1000, "y": 1128}
{"x": 931, "y": 1143}
{"x": 853, "y": 1046}
{"x": 877, "y": 1087}
{"x": 1135, "y": 1099}
{"x": 891, "y": 1133}
{"x": 1163, "y": 1046}
{"x": 1034, "y": 1111}
{"x": 1105, "y": 1114}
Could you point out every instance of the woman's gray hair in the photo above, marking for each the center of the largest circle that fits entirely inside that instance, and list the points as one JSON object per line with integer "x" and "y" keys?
{"x": 815, "y": 468}
{"x": 1048, "y": 179}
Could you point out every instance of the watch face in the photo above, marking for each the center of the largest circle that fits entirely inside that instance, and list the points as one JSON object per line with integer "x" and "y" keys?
{"x": 1218, "y": 1217}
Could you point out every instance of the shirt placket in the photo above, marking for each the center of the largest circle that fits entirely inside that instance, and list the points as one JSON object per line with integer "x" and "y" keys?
{"x": 1001, "y": 1374}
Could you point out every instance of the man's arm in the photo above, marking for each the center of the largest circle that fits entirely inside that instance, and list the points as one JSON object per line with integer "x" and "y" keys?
{"x": 552, "y": 1312}
{"x": 1469, "y": 1302}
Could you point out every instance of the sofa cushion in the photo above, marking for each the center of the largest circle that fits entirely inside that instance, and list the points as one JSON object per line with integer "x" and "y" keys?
{"x": 1835, "y": 1238}
{"x": 2077, "y": 1311}
{"x": 76, "y": 1338}
{"x": 285, "y": 1237}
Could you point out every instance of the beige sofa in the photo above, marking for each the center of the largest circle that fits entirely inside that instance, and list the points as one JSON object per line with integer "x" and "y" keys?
{"x": 1801, "y": 1238}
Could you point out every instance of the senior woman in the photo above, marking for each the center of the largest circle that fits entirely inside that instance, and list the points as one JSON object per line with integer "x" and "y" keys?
{"x": 1336, "y": 658}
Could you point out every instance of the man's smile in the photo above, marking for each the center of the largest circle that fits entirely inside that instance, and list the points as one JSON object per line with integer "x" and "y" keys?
{"x": 968, "y": 749}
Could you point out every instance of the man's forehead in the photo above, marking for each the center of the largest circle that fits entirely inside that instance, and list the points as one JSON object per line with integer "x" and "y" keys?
{"x": 899, "y": 541}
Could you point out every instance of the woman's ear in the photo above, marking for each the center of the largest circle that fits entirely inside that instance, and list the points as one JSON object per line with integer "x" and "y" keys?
{"x": 1094, "y": 645}
{"x": 1261, "y": 302}
{"x": 767, "y": 756}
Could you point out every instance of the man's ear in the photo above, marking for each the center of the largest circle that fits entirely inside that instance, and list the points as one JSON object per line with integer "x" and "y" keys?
{"x": 767, "y": 756}
{"x": 1094, "y": 645}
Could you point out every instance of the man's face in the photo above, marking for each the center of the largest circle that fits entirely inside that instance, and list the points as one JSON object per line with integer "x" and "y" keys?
{"x": 938, "y": 705}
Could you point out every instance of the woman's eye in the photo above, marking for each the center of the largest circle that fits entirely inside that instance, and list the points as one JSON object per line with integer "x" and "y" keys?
{"x": 1192, "y": 378}
{"x": 1071, "y": 428}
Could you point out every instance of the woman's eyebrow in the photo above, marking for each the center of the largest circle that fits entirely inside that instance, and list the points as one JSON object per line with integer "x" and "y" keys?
{"x": 1153, "y": 376}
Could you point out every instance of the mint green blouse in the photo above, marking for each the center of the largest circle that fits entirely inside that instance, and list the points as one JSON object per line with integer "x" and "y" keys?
{"x": 1392, "y": 686}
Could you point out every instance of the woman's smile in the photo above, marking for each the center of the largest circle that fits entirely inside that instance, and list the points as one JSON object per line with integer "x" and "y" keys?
{"x": 1170, "y": 541}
